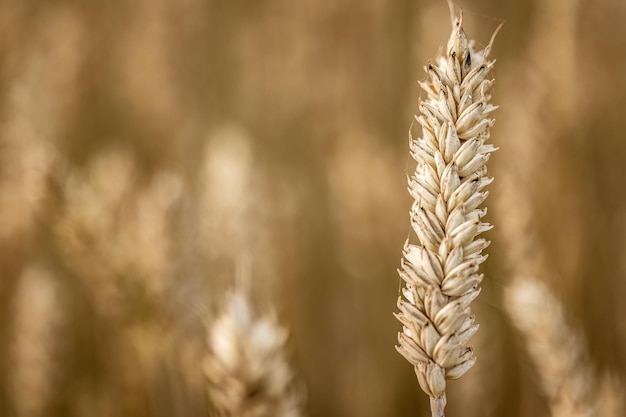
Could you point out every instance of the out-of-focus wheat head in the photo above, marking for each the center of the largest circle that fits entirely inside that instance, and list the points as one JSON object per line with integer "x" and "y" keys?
{"x": 545, "y": 102}
{"x": 556, "y": 349}
{"x": 39, "y": 97}
{"x": 237, "y": 220}
{"x": 441, "y": 272}
{"x": 246, "y": 369}
{"x": 38, "y": 319}
{"x": 228, "y": 193}
{"x": 115, "y": 234}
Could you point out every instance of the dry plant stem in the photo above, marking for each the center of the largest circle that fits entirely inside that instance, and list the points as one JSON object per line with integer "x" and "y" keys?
{"x": 437, "y": 406}
{"x": 441, "y": 271}
{"x": 36, "y": 345}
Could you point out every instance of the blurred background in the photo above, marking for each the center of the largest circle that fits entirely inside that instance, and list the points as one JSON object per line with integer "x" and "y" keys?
{"x": 155, "y": 153}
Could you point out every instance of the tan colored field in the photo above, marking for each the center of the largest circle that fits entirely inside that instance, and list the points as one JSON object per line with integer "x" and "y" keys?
{"x": 156, "y": 154}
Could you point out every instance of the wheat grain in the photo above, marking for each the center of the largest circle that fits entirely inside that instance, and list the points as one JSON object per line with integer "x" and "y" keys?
{"x": 247, "y": 373}
{"x": 441, "y": 272}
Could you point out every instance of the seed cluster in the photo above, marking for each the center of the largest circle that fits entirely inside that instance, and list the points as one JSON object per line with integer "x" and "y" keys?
{"x": 247, "y": 372}
{"x": 441, "y": 271}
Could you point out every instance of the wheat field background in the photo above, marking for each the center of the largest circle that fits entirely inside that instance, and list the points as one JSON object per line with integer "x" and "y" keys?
{"x": 154, "y": 154}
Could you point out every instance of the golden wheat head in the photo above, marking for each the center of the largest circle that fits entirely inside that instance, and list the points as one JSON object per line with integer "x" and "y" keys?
{"x": 441, "y": 271}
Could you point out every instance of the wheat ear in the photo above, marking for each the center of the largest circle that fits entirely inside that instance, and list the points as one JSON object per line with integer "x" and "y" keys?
{"x": 557, "y": 350}
{"x": 247, "y": 372}
{"x": 440, "y": 272}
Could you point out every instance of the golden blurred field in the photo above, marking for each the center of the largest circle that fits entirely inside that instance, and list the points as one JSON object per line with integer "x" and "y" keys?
{"x": 154, "y": 154}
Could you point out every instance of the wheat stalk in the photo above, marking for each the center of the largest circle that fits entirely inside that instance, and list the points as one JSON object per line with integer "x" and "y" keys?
{"x": 441, "y": 272}
{"x": 36, "y": 347}
{"x": 246, "y": 369}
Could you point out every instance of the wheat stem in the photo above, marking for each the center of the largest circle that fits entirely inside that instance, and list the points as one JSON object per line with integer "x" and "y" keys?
{"x": 34, "y": 352}
{"x": 437, "y": 406}
{"x": 441, "y": 271}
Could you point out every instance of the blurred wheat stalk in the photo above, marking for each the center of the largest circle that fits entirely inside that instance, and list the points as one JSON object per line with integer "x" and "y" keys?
{"x": 36, "y": 347}
{"x": 558, "y": 352}
{"x": 441, "y": 273}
